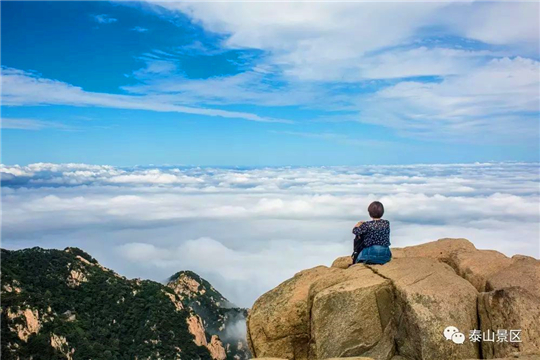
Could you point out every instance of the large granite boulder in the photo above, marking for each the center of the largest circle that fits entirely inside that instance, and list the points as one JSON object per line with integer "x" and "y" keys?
{"x": 342, "y": 262}
{"x": 430, "y": 298}
{"x": 474, "y": 265}
{"x": 279, "y": 321}
{"x": 400, "y": 310}
{"x": 509, "y": 297}
{"x": 365, "y": 311}
{"x": 477, "y": 266}
{"x": 364, "y": 327}
{"x": 322, "y": 313}
{"x": 510, "y": 308}
{"x": 470, "y": 263}
{"x": 523, "y": 271}
{"x": 513, "y": 304}
{"x": 441, "y": 249}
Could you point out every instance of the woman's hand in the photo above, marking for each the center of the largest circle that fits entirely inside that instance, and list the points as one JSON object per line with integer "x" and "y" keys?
{"x": 358, "y": 224}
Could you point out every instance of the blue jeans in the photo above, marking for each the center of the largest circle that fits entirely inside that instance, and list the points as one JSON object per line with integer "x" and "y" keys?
{"x": 375, "y": 254}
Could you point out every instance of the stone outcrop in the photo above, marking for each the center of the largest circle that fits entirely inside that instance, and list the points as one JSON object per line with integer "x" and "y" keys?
{"x": 75, "y": 278}
{"x": 474, "y": 265}
{"x": 511, "y": 308}
{"x": 523, "y": 271}
{"x": 279, "y": 321}
{"x": 342, "y": 262}
{"x": 196, "y": 328}
{"x": 60, "y": 343}
{"x": 430, "y": 297}
{"x": 50, "y": 297}
{"x": 215, "y": 346}
{"x": 399, "y": 310}
{"x": 365, "y": 328}
{"x": 176, "y": 302}
{"x": 215, "y": 316}
{"x": 29, "y": 322}
{"x": 217, "y": 351}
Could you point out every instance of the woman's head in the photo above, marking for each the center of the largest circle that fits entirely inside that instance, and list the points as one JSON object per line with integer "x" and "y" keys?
{"x": 376, "y": 210}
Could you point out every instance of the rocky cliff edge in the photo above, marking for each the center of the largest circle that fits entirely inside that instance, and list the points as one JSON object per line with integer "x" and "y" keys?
{"x": 400, "y": 310}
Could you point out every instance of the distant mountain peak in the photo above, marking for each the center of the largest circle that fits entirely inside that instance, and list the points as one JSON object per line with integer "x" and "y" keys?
{"x": 78, "y": 252}
{"x": 224, "y": 321}
{"x": 191, "y": 286}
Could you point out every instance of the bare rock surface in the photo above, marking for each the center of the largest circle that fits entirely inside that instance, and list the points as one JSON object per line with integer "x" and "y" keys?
{"x": 523, "y": 271}
{"x": 430, "y": 298}
{"x": 470, "y": 263}
{"x": 279, "y": 321}
{"x": 510, "y": 308}
{"x": 399, "y": 310}
{"x": 342, "y": 262}
{"x": 359, "y": 329}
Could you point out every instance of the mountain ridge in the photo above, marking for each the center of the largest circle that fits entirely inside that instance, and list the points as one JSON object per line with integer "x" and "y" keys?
{"x": 62, "y": 304}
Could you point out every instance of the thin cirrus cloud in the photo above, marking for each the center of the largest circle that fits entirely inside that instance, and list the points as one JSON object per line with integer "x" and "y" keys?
{"x": 139, "y": 29}
{"x": 22, "y": 88}
{"x": 246, "y": 230}
{"x": 31, "y": 124}
{"x": 104, "y": 19}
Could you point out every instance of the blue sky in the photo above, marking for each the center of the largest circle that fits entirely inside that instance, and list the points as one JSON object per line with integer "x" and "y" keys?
{"x": 260, "y": 84}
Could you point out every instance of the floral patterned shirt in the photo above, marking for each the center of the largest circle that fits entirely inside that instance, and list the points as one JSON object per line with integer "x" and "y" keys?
{"x": 374, "y": 232}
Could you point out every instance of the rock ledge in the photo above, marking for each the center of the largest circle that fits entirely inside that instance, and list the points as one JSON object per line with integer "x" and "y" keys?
{"x": 399, "y": 310}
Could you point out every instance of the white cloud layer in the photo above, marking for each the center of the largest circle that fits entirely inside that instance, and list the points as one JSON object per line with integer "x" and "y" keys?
{"x": 330, "y": 40}
{"x": 246, "y": 230}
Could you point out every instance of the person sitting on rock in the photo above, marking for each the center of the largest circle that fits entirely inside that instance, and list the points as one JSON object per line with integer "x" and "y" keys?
{"x": 372, "y": 238}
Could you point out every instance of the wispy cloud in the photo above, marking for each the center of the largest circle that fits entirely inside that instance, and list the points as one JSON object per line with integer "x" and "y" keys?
{"x": 139, "y": 29}
{"x": 470, "y": 94}
{"x": 104, "y": 19}
{"x": 444, "y": 70}
{"x": 499, "y": 101}
{"x": 32, "y": 124}
{"x": 21, "y": 88}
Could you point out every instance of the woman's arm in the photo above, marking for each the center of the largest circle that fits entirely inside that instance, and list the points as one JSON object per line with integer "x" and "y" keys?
{"x": 357, "y": 229}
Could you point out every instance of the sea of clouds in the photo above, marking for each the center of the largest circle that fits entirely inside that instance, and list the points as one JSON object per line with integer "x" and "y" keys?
{"x": 248, "y": 229}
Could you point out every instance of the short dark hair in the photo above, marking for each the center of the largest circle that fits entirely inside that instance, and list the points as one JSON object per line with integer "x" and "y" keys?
{"x": 376, "y": 210}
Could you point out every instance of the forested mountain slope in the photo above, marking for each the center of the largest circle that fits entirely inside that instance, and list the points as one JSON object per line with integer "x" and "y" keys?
{"x": 65, "y": 305}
